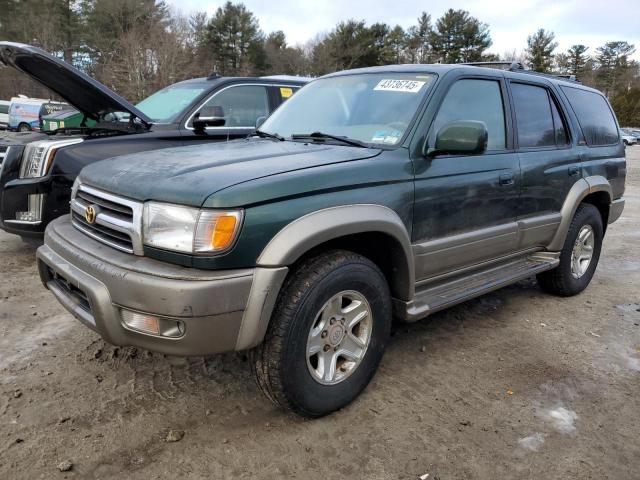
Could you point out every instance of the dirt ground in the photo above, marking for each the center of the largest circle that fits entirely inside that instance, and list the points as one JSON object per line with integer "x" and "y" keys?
{"x": 516, "y": 384}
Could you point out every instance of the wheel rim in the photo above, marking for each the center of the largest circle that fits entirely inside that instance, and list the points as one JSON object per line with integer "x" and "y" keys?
{"x": 582, "y": 253}
{"x": 339, "y": 337}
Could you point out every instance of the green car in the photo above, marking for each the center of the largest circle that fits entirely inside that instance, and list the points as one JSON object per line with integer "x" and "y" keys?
{"x": 371, "y": 194}
{"x": 65, "y": 119}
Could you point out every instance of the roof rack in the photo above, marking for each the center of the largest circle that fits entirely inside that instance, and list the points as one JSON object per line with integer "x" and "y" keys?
{"x": 511, "y": 66}
{"x": 518, "y": 67}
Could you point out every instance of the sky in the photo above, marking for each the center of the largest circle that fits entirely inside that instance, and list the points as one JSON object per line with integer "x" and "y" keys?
{"x": 590, "y": 22}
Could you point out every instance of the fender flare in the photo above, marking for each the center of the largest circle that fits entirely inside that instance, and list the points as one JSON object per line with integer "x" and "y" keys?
{"x": 580, "y": 190}
{"x": 302, "y": 235}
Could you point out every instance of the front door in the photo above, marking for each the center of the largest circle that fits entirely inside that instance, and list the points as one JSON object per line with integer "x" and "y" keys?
{"x": 466, "y": 205}
{"x": 241, "y": 106}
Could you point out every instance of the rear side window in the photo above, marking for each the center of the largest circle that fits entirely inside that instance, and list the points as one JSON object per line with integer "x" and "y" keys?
{"x": 537, "y": 117}
{"x": 4, "y": 109}
{"x": 594, "y": 115}
{"x": 474, "y": 99}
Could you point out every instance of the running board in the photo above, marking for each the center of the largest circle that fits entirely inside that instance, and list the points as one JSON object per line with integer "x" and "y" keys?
{"x": 433, "y": 298}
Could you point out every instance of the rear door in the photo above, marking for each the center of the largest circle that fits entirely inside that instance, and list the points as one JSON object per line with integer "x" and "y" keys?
{"x": 550, "y": 165}
{"x": 465, "y": 205}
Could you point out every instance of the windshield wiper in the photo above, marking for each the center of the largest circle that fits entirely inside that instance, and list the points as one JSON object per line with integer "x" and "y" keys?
{"x": 261, "y": 134}
{"x": 322, "y": 135}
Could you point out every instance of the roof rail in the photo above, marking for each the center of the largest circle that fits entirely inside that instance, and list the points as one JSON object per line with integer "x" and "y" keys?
{"x": 295, "y": 78}
{"x": 511, "y": 66}
{"x": 518, "y": 67}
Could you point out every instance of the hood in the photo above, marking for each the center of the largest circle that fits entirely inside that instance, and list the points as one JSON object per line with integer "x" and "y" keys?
{"x": 189, "y": 175}
{"x": 20, "y": 138}
{"x": 80, "y": 90}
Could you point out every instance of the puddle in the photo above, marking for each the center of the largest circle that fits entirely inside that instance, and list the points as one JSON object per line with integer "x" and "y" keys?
{"x": 562, "y": 419}
{"x": 532, "y": 442}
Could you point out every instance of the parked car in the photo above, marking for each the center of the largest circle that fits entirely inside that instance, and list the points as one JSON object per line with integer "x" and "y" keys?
{"x": 390, "y": 190}
{"x": 36, "y": 180}
{"x": 629, "y": 136}
{"x": 4, "y": 114}
{"x": 25, "y": 114}
{"x": 69, "y": 120}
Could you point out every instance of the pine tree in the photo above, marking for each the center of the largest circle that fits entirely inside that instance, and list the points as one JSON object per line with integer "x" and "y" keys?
{"x": 577, "y": 59}
{"x": 459, "y": 37}
{"x": 539, "y": 53}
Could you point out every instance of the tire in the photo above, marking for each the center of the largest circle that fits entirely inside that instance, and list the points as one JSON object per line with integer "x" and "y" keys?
{"x": 24, "y": 127}
{"x": 561, "y": 280}
{"x": 284, "y": 370}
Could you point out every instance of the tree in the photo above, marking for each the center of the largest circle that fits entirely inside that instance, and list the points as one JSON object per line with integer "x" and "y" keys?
{"x": 350, "y": 45}
{"x": 232, "y": 34}
{"x": 539, "y": 53}
{"x": 459, "y": 37}
{"x": 613, "y": 65}
{"x": 627, "y": 107}
{"x": 577, "y": 59}
{"x": 394, "y": 47}
{"x": 418, "y": 40}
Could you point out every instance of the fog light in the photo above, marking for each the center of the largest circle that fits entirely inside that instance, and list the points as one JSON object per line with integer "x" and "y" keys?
{"x": 142, "y": 322}
{"x": 34, "y": 213}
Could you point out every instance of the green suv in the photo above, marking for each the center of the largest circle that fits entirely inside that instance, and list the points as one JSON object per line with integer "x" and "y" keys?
{"x": 372, "y": 194}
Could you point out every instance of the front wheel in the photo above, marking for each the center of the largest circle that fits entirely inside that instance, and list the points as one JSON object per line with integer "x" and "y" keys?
{"x": 24, "y": 127}
{"x": 327, "y": 334}
{"x": 579, "y": 256}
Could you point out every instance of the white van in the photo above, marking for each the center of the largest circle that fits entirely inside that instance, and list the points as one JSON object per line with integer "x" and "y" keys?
{"x": 4, "y": 114}
{"x": 25, "y": 114}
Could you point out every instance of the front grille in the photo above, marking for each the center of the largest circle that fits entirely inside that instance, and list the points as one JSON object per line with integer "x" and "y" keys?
{"x": 117, "y": 222}
{"x": 3, "y": 153}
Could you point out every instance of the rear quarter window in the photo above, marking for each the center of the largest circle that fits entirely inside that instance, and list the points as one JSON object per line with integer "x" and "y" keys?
{"x": 4, "y": 109}
{"x": 594, "y": 115}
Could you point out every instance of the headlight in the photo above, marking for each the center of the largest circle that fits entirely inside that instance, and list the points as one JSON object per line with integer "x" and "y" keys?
{"x": 189, "y": 230}
{"x": 38, "y": 156}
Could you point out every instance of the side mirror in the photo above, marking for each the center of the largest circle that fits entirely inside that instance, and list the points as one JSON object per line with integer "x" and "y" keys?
{"x": 210, "y": 116}
{"x": 465, "y": 137}
{"x": 260, "y": 121}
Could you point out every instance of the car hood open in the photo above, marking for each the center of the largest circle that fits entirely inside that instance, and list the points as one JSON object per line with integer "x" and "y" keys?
{"x": 83, "y": 92}
{"x": 189, "y": 175}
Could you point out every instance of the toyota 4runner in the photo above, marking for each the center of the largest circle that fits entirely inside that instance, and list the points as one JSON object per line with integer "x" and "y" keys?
{"x": 375, "y": 193}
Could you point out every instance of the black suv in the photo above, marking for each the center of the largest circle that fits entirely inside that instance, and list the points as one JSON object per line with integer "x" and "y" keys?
{"x": 36, "y": 176}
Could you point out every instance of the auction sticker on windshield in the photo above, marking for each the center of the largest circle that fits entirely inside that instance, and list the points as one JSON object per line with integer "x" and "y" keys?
{"x": 408, "y": 86}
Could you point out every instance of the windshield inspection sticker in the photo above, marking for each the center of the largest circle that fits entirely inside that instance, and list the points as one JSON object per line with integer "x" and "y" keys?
{"x": 388, "y": 137}
{"x": 408, "y": 86}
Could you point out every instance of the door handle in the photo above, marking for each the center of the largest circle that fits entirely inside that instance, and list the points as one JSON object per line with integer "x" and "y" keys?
{"x": 506, "y": 179}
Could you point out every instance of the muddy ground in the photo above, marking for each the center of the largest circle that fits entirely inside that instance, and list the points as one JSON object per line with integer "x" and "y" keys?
{"x": 516, "y": 384}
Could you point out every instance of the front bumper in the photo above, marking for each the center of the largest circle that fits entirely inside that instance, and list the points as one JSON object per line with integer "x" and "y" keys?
{"x": 95, "y": 282}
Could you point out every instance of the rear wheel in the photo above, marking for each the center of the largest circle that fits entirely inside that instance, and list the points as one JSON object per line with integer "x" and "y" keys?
{"x": 579, "y": 256}
{"x": 24, "y": 127}
{"x": 327, "y": 334}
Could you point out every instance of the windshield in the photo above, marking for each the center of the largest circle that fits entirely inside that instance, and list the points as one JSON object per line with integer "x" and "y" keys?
{"x": 372, "y": 108}
{"x": 165, "y": 105}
